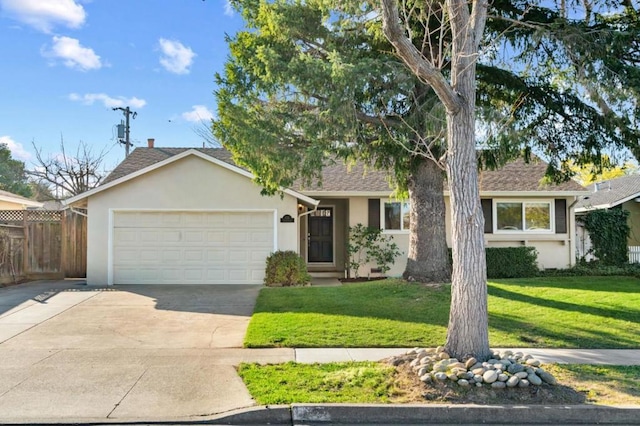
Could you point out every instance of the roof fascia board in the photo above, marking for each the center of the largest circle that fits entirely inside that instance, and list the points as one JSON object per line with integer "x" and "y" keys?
{"x": 348, "y": 194}
{"x": 530, "y": 193}
{"x": 624, "y": 200}
{"x": 22, "y": 201}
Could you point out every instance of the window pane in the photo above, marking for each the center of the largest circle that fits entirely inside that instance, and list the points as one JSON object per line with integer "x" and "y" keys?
{"x": 391, "y": 215}
{"x": 406, "y": 216}
{"x": 509, "y": 216}
{"x": 537, "y": 216}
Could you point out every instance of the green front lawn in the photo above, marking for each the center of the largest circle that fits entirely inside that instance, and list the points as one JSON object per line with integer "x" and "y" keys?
{"x": 567, "y": 312}
{"x": 368, "y": 382}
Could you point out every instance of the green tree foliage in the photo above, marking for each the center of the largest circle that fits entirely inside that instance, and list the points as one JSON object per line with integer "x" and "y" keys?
{"x": 609, "y": 231}
{"x": 562, "y": 78}
{"x": 13, "y": 177}
{"x": 313, "y": 82}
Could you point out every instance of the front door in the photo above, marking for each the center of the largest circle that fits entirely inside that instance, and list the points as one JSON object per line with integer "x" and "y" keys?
{"x": 321, "y": 235}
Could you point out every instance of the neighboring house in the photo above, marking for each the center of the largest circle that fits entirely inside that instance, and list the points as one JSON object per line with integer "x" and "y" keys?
{"x": 621, "y": 193}
{"x": 10, "y": 201}
{"x": 191, "y": 216}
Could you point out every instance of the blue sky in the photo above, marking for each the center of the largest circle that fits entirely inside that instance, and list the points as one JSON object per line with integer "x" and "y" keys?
{"x": 67, "y": 63}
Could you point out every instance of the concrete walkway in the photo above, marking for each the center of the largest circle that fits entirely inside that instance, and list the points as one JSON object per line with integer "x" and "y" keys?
{"x": 546, "y": 356}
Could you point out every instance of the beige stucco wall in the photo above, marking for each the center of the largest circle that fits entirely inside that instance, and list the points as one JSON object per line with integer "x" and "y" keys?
{"x": 634, "y": 222}
{"x": 190, "y": 183}
{"x": 554, "y": 250}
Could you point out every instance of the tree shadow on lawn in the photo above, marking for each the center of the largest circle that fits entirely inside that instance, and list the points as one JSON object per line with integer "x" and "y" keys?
{"x": 631, "y": 315}
{"x": 615, "y": 284}
{"x": 530, "y": 334}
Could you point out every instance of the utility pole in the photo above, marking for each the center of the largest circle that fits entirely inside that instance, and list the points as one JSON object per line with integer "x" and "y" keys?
{"x": 127, "y": 112}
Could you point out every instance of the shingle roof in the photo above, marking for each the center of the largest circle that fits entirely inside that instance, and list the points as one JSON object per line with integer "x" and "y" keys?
{"x": 611, "y": 193}
{"x": 518, "y": 175}
{"x": 337, "y": 177}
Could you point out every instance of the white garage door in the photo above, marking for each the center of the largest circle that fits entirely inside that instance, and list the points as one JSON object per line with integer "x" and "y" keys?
{"x": 169, "y": 247}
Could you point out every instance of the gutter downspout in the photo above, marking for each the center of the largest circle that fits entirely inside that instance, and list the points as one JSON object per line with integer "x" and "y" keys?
{"x": 78, "y": 212}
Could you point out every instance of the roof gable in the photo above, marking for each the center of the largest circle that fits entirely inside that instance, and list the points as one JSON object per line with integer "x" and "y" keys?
{"x": 143, "y": 164}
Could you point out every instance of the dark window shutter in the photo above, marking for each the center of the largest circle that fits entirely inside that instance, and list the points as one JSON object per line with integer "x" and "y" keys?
{"x": 561, "y": 216}
{"x": 487, "y": 212}
{"x": 374, "y": 213}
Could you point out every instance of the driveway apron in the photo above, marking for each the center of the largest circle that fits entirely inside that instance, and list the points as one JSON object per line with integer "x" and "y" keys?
{"x": 74, "y": 352}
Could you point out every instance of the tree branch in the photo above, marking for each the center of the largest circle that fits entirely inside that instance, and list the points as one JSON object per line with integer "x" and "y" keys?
{"x": 414, "y": 60}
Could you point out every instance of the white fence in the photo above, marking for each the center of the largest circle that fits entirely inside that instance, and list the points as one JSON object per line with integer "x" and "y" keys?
{"x": 634, "y": 254}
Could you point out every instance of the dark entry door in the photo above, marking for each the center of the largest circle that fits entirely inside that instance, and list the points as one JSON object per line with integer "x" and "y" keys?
{"x": 321, "y": 235}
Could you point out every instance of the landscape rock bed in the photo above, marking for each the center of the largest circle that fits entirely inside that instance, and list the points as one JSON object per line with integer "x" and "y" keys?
{"x": 506, "y": 369}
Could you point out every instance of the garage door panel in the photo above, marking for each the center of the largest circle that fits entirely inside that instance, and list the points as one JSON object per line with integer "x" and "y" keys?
{"x": 193, "y": 237}
{"x": 169, "y": 255}
{"x": 194, "y": 256}
{"x": 191, "y": 247}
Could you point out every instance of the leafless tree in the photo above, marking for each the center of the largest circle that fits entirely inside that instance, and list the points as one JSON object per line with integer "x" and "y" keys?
{"x": 69, "y": 175}
{"x": 204, "y": 131}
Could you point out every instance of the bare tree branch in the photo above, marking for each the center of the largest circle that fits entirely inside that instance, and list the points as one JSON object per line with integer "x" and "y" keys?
{"x": 204, "y": 131}
{"x": 69, "y": 175}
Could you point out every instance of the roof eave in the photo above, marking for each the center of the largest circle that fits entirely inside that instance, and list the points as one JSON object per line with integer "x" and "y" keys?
{"x": 22, "y": 201}
{"x": 542, "y": 193}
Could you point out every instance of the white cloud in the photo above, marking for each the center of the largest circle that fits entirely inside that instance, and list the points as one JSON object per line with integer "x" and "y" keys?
{"x": 73, "y": 54}
{"x": 176, "y": 57}
{"x": 228, "y": 9}
{"x": 197, "y": 114}
{"x": 43, "y": 15}
{"x": 108, "y": 101}
{"x": 17, "y": 150}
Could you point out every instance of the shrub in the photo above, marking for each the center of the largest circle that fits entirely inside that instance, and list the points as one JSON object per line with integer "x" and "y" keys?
{"x": 512, "y": 262}
{"x": 608, "y": 230}
{"x": 367, "y": 244}
{"x": 285, "y": 268}
{"x": 595, "y": 268}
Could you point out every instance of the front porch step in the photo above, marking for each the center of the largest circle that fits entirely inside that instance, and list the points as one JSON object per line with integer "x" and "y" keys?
{"x": 326, "y": 274}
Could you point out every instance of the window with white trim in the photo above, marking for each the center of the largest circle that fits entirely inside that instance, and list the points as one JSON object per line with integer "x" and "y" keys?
{"x": 395, "y": 216}
{"x": 523, "y": 216}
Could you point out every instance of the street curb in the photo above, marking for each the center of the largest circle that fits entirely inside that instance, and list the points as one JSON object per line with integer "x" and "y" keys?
{"x": 264, "y": 415}
{"x": 494, "y": 414}
{"x": 335, "y": 414}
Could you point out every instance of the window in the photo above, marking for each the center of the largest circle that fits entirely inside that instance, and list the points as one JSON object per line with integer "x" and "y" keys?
{"x": 530, "y": 216}
{"x": 396, "y": 216}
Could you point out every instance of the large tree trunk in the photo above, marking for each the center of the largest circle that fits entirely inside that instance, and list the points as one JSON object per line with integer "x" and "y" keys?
{"x": 428, "y": 259}
{"x": 468, "y": 330}
{"x": 467, "y": 333}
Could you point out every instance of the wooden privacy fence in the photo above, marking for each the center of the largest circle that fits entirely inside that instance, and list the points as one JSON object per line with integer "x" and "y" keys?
{"x": 42, "y": 244}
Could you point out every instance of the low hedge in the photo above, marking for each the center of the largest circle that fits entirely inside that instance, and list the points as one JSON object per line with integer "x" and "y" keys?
{"x": 286, "y": 268}
{"x": 512, "y": 262}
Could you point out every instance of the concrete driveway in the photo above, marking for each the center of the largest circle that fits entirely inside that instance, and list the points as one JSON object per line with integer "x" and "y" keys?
{"x": 76, "y": 353}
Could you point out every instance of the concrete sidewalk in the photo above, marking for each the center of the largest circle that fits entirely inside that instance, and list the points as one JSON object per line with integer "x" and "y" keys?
{"x": 546, "y": 356}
